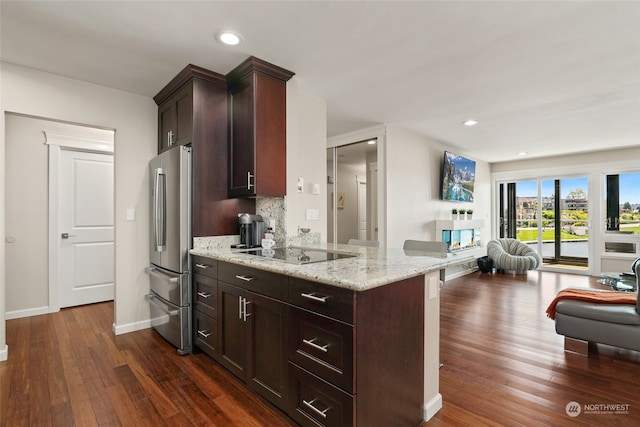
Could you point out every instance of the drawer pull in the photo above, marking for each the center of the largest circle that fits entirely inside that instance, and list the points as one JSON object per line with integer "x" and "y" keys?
{"x": 314, "y": 297}
{"x": 205, "y": 295}
{"x": 312, "y": 343}
{"x": 245, "y": 278}
{"x": 203, "y": 266}
{"x": 309, "y": 405}
{"x": 205, "y": 333}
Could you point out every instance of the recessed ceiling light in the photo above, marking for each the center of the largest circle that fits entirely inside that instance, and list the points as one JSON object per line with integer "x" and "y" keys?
{"x": 371, "y": 142}
{"x": 229, "y": 37}
{"x": 522, "y": 153}
{"x": 470, "y": 122}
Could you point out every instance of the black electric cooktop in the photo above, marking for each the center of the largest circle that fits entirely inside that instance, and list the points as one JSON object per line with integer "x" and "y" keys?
{"x": 298, "y": 255}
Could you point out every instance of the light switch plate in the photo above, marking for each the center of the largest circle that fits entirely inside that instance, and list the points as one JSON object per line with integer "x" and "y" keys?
{"x": 131, "y": 214}
{"x": 312, "y": 214}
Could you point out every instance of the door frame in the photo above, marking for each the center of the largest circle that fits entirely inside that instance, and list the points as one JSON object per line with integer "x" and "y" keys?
{"x": 379, "y": 133}
{"x": 57, "y": 142}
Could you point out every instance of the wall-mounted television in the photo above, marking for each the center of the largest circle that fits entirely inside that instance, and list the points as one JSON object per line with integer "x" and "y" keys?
{"x": 458, "y": 178}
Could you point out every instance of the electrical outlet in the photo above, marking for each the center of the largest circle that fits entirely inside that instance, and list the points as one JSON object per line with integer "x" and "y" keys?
{"x": 312, "y": 214}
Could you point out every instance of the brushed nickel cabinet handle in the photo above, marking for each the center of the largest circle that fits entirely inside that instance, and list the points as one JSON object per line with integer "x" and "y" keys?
{"x": 314, "y": 297}
{"x": 206, "y": 295}
{"x": 311, "y": 342}
{"x": 204, "y": 333}
{"x": 249, "y": 176}
{"x": 309, "y": 405}
{"x": 245, "y": 278}
{"x": 204, "y": 266}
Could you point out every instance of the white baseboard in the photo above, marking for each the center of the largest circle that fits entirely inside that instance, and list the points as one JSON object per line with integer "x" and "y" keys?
{"x": 432, "y": 407}
{"x": 131, "y": 327}
{"x": 4, "y": 353}
{"x": 26, "y": 313}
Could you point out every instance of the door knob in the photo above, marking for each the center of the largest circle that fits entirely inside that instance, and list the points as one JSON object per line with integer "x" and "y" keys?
{"x": 67, "y": 235}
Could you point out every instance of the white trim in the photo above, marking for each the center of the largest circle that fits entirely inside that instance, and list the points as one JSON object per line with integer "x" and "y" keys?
{"x": 18, "y": 314}
{"x": 131, "y": 327}
{"x": 432, "y": 407}
{"x": 54, "y": 176}
{"x": 357, "y": 136}
{"x": 81, "y": 143}
{"x": 56, "y": 143}
{"x": 4, "y": 353}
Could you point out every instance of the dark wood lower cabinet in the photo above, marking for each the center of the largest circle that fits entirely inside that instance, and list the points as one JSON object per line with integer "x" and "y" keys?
{"x": 267, "y": 373}
{"x": 324, "y": 355}
{"x": 315, "y": 402}
{"x": 233, "y": 347}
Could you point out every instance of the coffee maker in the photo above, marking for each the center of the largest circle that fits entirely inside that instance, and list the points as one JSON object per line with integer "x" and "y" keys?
{"x": 251, "y": 230}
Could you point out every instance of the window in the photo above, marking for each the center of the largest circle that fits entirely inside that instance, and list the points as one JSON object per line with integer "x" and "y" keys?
{"x": 623, "y": 203}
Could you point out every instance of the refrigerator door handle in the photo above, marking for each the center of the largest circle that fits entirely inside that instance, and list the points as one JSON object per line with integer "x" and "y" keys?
{"x": 153, "y": 299}
{"x": 159, "y": 210}
{"x": 155, "y": 272}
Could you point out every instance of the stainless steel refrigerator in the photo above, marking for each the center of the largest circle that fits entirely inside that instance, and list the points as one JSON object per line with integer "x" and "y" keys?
{"x": 169, "y": 272}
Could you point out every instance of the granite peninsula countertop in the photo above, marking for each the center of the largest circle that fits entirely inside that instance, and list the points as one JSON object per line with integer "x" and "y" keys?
{"x": 370, "y": 268}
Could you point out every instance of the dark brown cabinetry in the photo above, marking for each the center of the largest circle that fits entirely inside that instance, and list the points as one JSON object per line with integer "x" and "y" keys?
{"x": 253, "y": 328}
{"x": 175, "y": 119}
{"x": 205, "y": 305}
{"x": 257, "y": 129}
{"x": 192, "y": 109}
{"x": 327, "y": 356}
{"x": 356, "y": 358}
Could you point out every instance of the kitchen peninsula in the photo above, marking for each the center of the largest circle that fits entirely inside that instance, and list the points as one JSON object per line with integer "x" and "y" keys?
{"x": 345, "y": 342}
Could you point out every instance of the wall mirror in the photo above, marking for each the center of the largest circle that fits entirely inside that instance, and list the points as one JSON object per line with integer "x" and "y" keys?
{"x": 352, "y": 192}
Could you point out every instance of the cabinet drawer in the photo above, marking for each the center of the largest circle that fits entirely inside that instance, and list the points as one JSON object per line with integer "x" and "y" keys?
{"x": 322, "y": 346}
{"x": 205, "y": 296}
{"x": 328, "y": 300}
{"x": 205, "y": 266}
{"x": 206, "y": 333}
{"x": 259, "y": 281}
{"x": 317, "y": 403}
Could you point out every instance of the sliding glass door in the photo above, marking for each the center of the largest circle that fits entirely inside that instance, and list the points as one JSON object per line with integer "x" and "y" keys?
{"x": 550, "y": 214}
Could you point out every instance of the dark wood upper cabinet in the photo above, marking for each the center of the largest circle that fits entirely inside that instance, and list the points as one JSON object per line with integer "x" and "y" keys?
{"x": 193, "y": 105}
{"x": 257, "y": 129}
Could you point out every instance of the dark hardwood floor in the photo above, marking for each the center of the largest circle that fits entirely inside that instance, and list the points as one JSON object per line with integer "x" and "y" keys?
{"x": 504, "y": 365}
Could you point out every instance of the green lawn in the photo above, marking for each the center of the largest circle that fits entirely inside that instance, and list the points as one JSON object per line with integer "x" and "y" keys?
{"x": 532, "y": 235}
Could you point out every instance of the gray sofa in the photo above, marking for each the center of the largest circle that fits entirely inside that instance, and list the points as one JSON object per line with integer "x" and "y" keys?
{"x": 613, "y": 324}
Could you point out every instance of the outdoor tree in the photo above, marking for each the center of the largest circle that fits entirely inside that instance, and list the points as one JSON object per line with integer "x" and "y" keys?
{"x": 577, "y": 194}
{"x": 627, "y": 206}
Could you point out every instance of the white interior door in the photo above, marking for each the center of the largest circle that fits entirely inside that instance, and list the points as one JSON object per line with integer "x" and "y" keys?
{"x": 86, "y": 225}
{"x": 362, "y": 209}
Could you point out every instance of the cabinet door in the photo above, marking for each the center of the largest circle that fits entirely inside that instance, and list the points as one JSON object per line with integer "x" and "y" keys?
{"x": 233, "y": 331}
{"x": 166, "y": 124}
{"x": 242, "y": 138}
{"x": 267, "y": 373}
{"x": 184, "y": 116}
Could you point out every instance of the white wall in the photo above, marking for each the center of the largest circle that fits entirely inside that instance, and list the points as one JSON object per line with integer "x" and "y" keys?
{"x": 413, "y": 167}
{"x": 26, "y": 210}
{"x": 307, "y": 159}
{"x": 134, "y": 119}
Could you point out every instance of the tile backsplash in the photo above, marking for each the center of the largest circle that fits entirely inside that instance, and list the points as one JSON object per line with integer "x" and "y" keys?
{"x": 273, "y": 208}
{"x": 270, "y": 208}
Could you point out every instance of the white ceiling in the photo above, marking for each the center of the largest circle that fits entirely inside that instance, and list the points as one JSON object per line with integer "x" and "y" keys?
{"x": 545, "y": 77}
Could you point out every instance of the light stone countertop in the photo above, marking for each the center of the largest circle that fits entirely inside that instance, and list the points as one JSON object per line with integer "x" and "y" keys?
{"x": 371, "y": 268}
